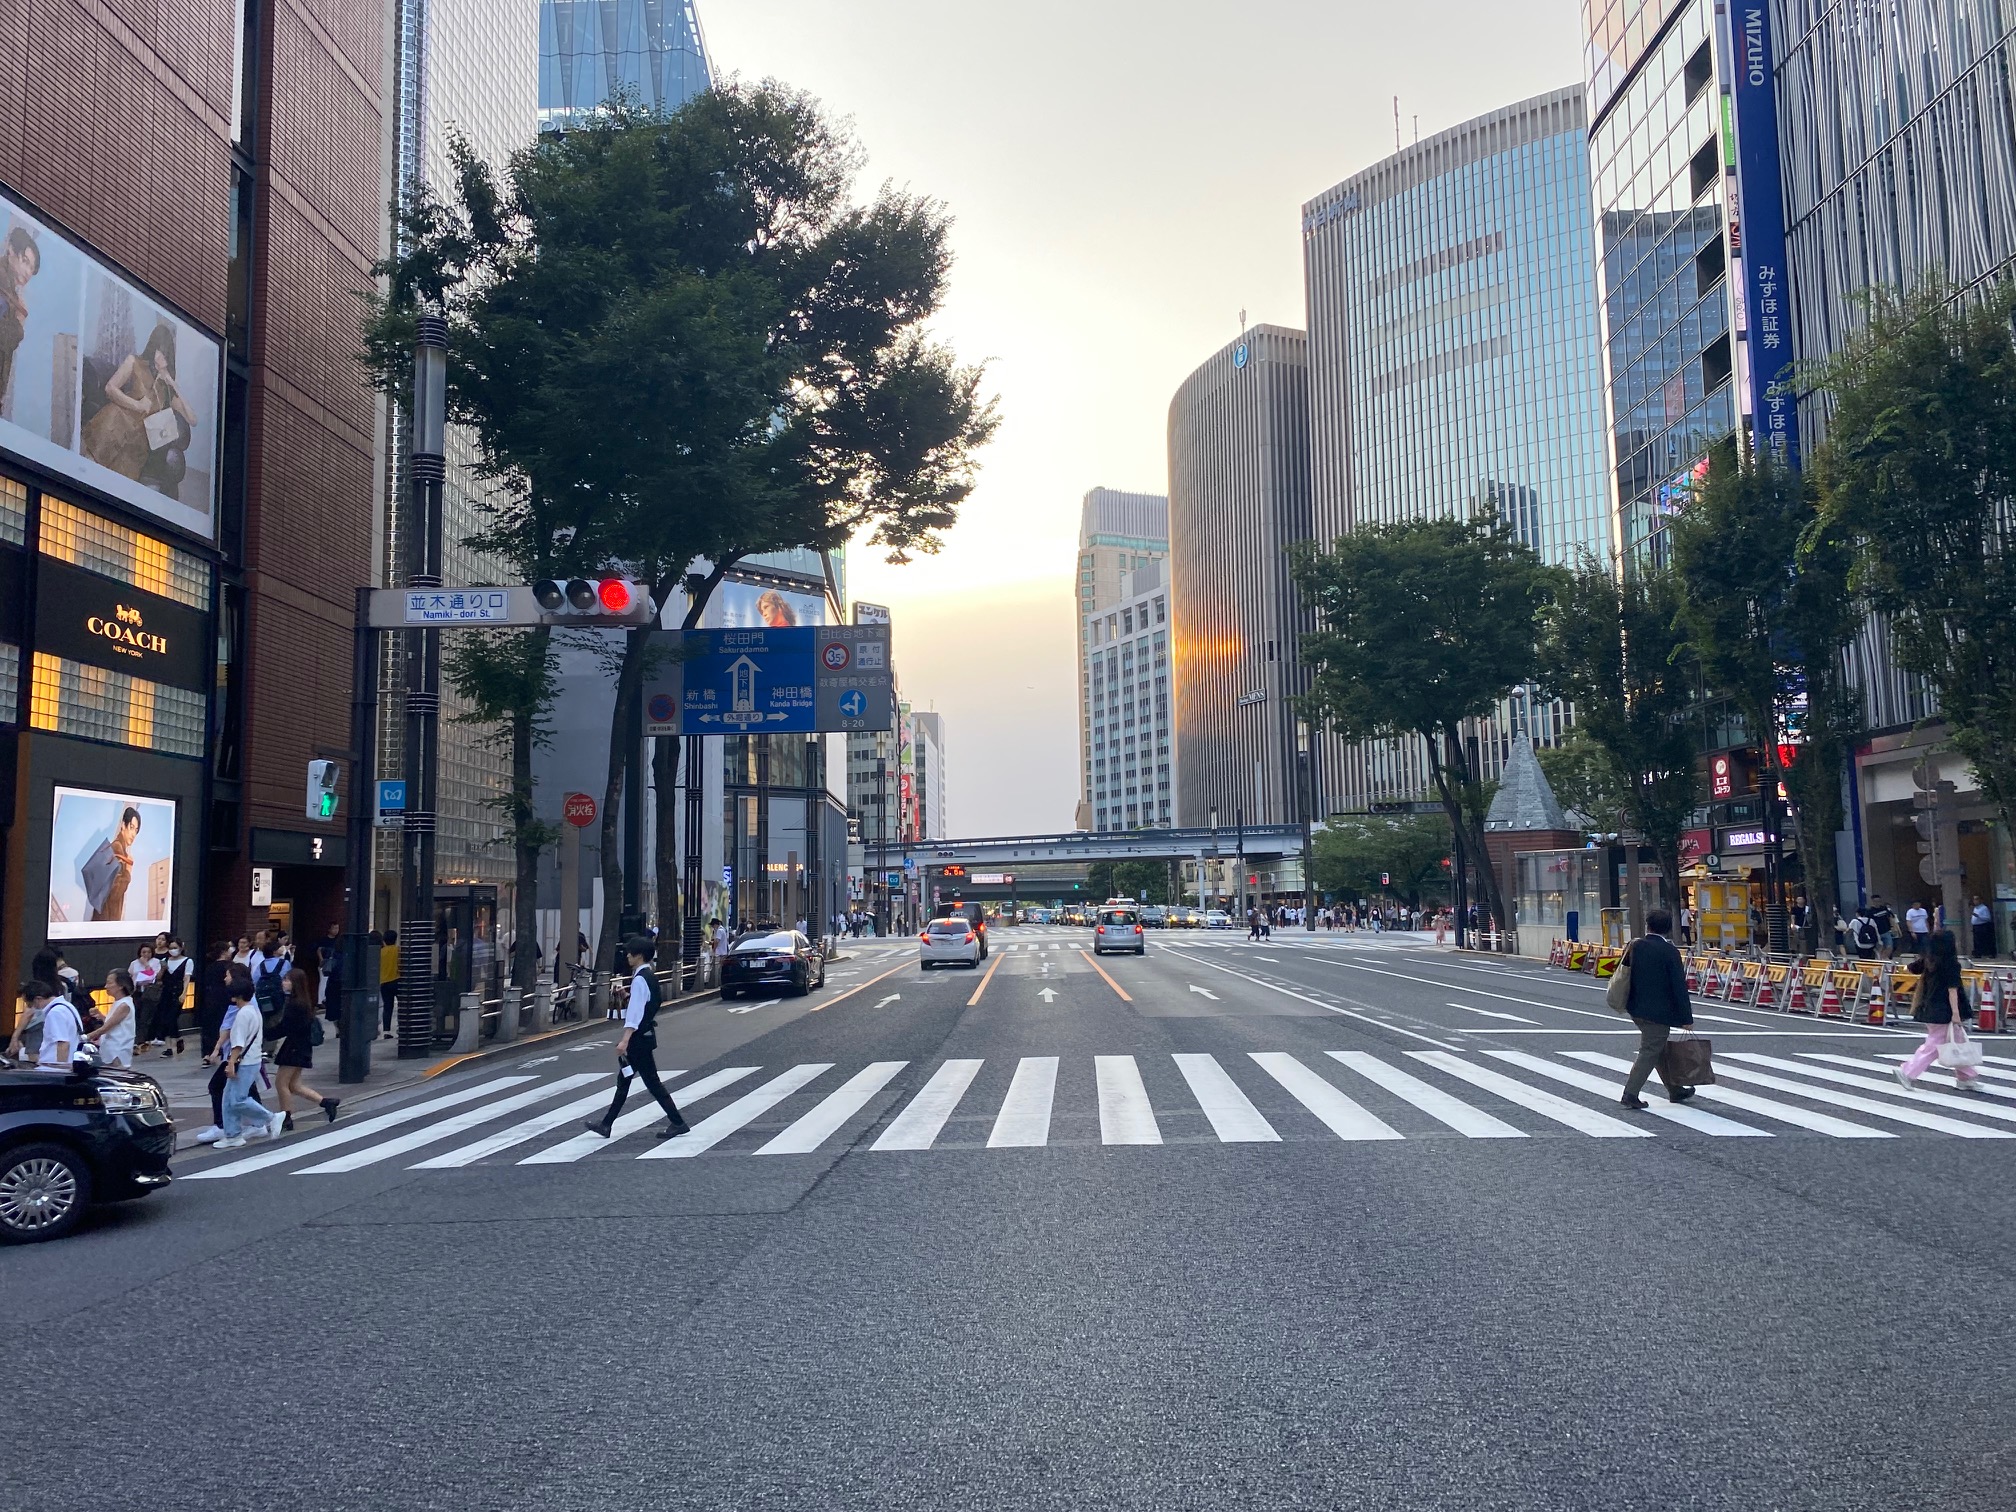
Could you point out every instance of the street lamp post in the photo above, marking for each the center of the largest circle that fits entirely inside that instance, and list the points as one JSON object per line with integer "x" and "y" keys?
{"x": 1304, "y": 801}
{"x": 882, "y": 841}
{"x": 1239, "y": 823}
{"x": 360, "y": 965}
{"x": 429, "y": 469}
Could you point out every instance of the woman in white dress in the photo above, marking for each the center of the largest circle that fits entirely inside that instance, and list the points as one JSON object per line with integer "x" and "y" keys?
{"x": 114, "y": 1038}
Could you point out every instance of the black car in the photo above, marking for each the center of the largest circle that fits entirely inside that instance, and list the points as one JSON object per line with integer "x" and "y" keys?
{"x": 772, "y": 958}
{"x": 67, "y": 1141}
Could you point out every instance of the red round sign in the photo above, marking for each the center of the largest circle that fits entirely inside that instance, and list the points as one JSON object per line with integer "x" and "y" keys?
{"x": 836, "y": 655}
{"x": 578, "y": 810}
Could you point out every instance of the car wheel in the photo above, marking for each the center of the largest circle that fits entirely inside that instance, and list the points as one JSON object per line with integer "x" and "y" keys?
{"x": 801, "y": 985}
{"x": 44, "y": 1189}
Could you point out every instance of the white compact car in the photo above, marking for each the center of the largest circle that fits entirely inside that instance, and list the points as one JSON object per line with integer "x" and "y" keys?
{"x": 949, "y": 942}
{"x": 1118, "y": 929}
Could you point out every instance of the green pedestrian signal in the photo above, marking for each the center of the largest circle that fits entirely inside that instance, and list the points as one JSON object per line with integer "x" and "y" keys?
{"x": 321, "y": 790}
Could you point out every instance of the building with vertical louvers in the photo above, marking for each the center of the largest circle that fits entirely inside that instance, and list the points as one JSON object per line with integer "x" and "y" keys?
{"x": 592, "y": 50}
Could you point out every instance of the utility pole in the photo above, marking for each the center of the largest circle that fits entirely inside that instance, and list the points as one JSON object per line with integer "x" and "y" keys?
{"x": 360, "y": 963}
{"x": 882, "y": 838}
{"x": 1239, "y": 822}
{"x": 1305, "y": 801}
{"x": 429, "y": 469}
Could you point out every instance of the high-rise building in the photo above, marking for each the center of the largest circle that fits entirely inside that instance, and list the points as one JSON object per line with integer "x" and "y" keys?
{"x": 929, "y": 732}
{"x": 1118, "y": 533}
{"x": 190, "y": 198}
{"x": 1124, "y": 662}
{"x": 1238, "y": 500}
{"x": 1455, "y": 365}
{"x": 592, "y": 50}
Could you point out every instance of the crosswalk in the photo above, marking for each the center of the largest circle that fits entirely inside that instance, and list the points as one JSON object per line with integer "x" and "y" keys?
{"x": 1226, "y": 940}
{"x": 1036, "y": 1101}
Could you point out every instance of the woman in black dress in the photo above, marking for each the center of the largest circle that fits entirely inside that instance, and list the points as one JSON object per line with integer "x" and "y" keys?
{"x": 296, "y": 1054}
{"x": 171, "y": 996}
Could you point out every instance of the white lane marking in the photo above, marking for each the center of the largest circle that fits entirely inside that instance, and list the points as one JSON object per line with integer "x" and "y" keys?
{"x": 1867, "y": 1105}
{"x": 1984, "y": 1070}
{"x": 1233, "y": 1117}
{"x": 531, "y": 1128}
{"x": 1433, "y": 1101}
{"x": 448, "y": 1128}
{"x": 746, "y": 1109}
{"x": 1493, "y": 1013}
{"x": 1048, "y": 994}
{"x": 344, "y": 1134}
{"x": 1887, "y": 1085}
{"x": 1024, "y": 1118}
{"x": 819, "y": 1125}
{"x": 894, "y": 997}
{"x": 1318, "y": 1003}
{"x": 1204, "y": 992}
{"x": 1343, "y": 1117}
{"x": 1763, "y": 1107}
{"x": 1546, "y": 1104}
{"x": 1693, "y": 1118}
{"x": 917, "y": 1126}
{"x": 1270, "y": 960}
{"x": 542, "y": 1060}
{"x": 1720, "y": 1034}
{"x": 568, "y": 1151}
{"x": 1125, "y": 1115}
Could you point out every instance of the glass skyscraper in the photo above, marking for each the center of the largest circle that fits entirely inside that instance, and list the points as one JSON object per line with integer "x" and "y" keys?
{"x": 1455, "y": 363}
{"x": 589, "y": 50}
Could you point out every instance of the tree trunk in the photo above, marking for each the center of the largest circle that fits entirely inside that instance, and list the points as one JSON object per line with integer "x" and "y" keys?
{"x": 1451, "y": 784}
{"x": 665, "y": 835}
{"x": 525, "y": 838}
{"x": 629, "y": 685}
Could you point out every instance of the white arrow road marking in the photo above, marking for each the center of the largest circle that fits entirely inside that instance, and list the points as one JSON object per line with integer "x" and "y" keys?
{"x": 542, "y": 1060}
{"x": 1048, "y": 994}
{"x": 1204, "y": 992}
{"x": 1490, "y": 1013}
{"x": 591, "y": 1045}
{"x": 894, "y": 997}
{"x": 746, "y": 1008}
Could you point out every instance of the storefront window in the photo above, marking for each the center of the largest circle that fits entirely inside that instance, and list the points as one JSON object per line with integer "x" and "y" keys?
{"x": 13, "y": 513}
{"x": 86, "y": 540}
{"x": 73, "y": 699}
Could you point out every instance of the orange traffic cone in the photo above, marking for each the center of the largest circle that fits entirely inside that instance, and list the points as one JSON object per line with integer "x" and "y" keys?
{"x": 1830, "y": 999}
{"x": 1878, "y": 1002}
{"x": 1988, "y": 1012}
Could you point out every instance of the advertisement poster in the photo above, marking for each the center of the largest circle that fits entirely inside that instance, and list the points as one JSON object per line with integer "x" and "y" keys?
{"x": 98, "y": 382}
{"x": 752, "y": 606}
{"x": 111, "y": 865}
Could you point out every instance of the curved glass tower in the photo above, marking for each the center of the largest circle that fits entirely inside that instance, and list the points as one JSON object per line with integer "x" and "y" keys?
{"x": 591, "y": 49}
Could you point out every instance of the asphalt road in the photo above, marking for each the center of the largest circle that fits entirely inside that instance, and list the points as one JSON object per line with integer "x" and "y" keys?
{"x": 1343, "y": 1222}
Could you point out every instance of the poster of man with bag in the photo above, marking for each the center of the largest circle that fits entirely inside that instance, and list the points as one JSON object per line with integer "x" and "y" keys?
{"x": 1650, "y": 987}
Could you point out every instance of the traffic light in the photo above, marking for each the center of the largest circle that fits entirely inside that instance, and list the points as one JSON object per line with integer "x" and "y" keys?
{"x": 594, "y": 601}
{"x": 321, "y": 790}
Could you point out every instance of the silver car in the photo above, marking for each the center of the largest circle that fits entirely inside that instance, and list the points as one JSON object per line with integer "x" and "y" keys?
{"x": 949, "y": 942}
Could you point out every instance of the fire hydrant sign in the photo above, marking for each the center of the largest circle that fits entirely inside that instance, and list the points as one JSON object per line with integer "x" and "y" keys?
{"x": 578, "y": 809}
{"x": 765, "y": 681}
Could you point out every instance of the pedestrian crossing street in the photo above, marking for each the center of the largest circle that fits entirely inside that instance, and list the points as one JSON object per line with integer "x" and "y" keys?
{"x": 1264, "y": 1097}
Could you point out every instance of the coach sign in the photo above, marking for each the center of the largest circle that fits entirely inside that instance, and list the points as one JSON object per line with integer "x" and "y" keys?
{"x": 102, "y": 622}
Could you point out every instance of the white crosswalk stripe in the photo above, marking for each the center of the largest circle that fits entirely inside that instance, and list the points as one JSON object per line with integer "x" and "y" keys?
{"x": 1262, "y": 1097}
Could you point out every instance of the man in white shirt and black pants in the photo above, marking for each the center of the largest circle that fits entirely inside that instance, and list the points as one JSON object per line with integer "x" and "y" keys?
{"x": 637, "y": 1050}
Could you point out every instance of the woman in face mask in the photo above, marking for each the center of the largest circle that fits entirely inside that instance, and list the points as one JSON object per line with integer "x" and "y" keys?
{"x": 171, "y": 995}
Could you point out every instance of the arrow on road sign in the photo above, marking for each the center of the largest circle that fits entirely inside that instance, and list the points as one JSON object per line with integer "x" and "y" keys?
{"x": 1204, "y": 992}
{"x": 853, "y": 703}
{"x": 1048, "y": 994}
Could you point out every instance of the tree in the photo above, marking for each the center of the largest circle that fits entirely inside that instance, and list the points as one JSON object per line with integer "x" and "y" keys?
{"x": 1100, "y": 881}
{"x": 680, "y": 338}
{"x": 1613, "y": 648}
{"x": 1354, "y": 851}
{"x": 1145, "y": 881}
{"x": 1917, "y": 477}
{"x": 1585, "y": 778}
{"x": 1422, "y": 624}
{"x": 506, "y": 678}
{"x": 1766, "y": 607}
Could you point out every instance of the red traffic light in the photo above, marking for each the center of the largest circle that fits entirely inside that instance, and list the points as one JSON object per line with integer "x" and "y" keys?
{"x": 614, "y": 594}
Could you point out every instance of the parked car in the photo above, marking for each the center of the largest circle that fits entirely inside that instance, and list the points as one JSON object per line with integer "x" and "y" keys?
{"x": 1118, "y": 929}
{"x": 772, "y": 958}
{"x": 1154, "y": 917}
{"x": 950, "y": 942}
{"x": 66, "y": 1142}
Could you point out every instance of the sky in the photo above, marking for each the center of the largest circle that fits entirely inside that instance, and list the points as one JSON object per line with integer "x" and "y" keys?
{"x": 1125, "y": 178}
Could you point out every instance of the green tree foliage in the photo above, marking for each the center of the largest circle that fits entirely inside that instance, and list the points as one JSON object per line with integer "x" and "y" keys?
{"x": 1421, "y": 625}
{"x": 506, "y": 678}
{"x": 1101, "y": 881}
{"x": 1146, "y": 881}
{"x": 681, "y": 337}
{"x": 1615, "y": 650}
{"x": 1917, "y": 480}
{"x": 1767, "y": 610}
{"x": 1353, "y": 851}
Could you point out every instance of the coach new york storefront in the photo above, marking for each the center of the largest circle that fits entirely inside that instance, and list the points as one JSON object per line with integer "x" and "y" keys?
{"x": 109, "y": 450}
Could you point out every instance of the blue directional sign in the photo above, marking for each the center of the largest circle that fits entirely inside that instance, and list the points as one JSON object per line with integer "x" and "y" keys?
{"x": 761, "y": 680}
{"x": 853, "y": 703}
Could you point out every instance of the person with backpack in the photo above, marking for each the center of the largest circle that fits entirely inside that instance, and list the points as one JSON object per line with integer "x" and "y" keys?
{"x": 1942, "y": 1006}
{"x": 242, "y": 1115}
{"x": 298, "y": 1032}
{"x": 1657, "y": 1003}
{"x": 1864, "y": 935}
{"x": 636, "y": 1050}
{"x": 269, "y": 979}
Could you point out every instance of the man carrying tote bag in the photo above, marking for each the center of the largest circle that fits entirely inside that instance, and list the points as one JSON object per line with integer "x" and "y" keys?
{"x": 1651, "y": 987}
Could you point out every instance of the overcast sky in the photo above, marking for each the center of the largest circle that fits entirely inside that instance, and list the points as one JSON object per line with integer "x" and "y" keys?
{"x": 1126, "y": 177}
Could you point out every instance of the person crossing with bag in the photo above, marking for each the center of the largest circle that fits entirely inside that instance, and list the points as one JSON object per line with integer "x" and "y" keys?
{"x": 1942, "y": 1007}
{"x": 637, "y": 1049}
{"x": 1654, "y": 994}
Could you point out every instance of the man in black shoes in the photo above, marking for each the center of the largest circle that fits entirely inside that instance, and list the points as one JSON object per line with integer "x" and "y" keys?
{"x": 1659, "y": 1003}
{"x": 637, "y": 1050}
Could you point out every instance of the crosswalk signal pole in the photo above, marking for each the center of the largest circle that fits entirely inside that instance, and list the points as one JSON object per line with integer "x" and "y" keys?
{"x": 429, "y": 469}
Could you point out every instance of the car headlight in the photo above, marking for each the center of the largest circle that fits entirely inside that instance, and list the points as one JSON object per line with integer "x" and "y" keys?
{"x": 129, "y": 1097}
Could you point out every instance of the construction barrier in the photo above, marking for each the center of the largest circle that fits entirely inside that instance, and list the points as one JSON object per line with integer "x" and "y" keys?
{"x": 1772, "y": 987}
{"x": 1557, "y": 953}
{"x": 1578, "y": 955}
{"x": 1741, "y": 986}
{"x": 1605, "y": 966}
{"x": 1843, "y": 994}
{"x": 1988, "y": 1006}
{"x": 1693, "y": 963}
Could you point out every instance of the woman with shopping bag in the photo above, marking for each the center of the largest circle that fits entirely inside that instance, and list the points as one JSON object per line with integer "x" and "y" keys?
{"x": 1941, "y": 1006}
{"x": 1654, "y": 994}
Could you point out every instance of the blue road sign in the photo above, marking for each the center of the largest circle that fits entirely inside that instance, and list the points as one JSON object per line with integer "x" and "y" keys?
{"x": 391, "y": 804}
{"x": 853, "y": 703}
{"x": 749, "y": 682}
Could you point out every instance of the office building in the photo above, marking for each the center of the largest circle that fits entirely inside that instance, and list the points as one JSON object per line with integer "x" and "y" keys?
{"x": 1124, "y": 661}
{"x": 186, "y": 224}
{"x": 591, "y": 51}
{"x": 1455, "y": 366}
{"x": 928, "y": 729}
{"x": 1238, "y": 501}
{"x": 1118, "y": 533}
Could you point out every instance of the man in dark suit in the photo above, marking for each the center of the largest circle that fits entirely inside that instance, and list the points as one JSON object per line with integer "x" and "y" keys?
{"x": 1659, "y": 1003}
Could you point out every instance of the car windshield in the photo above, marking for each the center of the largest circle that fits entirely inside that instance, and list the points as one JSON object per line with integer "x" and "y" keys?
{"x": 766, "y": 942}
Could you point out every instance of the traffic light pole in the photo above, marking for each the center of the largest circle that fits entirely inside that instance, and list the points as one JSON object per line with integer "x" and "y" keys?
{"x": 360, "y": 965}
{"x": 689, "y": 879}
{"x": 429, "y": 470}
